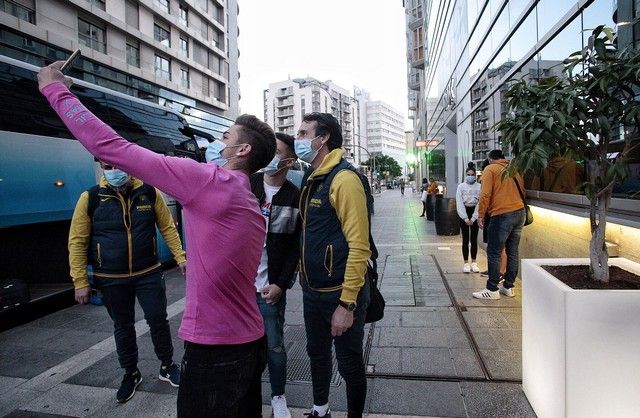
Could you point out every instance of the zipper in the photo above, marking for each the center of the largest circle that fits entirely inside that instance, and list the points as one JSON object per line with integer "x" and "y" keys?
{"x": 328, "y": 254}
{"x": 126, "y": 219}
{"x": 155, "y": 248}
{"x": 99, "y": 256}
{"x": 304, "y": 228}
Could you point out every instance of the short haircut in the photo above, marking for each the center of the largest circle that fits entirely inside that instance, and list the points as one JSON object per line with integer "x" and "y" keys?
{"x": 261, "y": 138}
{"x": 496, "y": 154}
{"x": 287, "y": 139}
{"x": 326, "y": 124}
{"x": 485, "y": 163}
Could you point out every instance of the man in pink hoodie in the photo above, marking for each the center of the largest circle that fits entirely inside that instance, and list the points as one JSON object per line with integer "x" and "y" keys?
{"x": 222, "y": 326}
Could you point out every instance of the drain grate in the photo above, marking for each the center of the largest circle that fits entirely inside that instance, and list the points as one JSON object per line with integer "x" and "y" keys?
{"x": 298, "y": 368}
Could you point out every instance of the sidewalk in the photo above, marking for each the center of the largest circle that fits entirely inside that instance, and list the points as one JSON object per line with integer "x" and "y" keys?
{"x": 437, "y": 352}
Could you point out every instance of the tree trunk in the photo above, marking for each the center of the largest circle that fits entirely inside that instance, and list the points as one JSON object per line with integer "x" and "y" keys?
{"x": 598, "y": 254}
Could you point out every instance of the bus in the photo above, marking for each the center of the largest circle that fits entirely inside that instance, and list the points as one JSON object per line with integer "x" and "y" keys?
{"x": 43, "y": 169}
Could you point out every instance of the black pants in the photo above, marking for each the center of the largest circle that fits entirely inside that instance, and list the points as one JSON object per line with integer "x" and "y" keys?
{"x": 469, "y": 233}
{"x": 222, "y": 380}
{"x": 424, "y": 208}
{"x": 119, "y": 297}
{"x": 318, "y": 309}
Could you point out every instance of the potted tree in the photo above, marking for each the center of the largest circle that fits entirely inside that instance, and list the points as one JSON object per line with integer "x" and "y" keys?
{"x": 579, "y": 347}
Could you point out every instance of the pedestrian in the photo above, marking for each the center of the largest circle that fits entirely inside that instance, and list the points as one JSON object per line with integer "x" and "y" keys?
{"x": 423, "y": 195}
{"x": 402, "y": 187}
{"x": 433, "y": 187}
{"x": 500, "y": 198}
{"x": 225, "y": 350}
{"x": 113, "y": 230}
{"x": 485, "y": 235}
{"x": 334, "y": 253}
{"x": 278, "y": 199}
{"x": 467, "y": 196}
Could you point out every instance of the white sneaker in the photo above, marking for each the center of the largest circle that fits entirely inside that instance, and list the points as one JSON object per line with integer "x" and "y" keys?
{"x": 507, "y": 292}
{"x": 279, "y": 406}
{"x": 486, "y": 294}
{"x": 475, "y": 268}
{"x": 466, "y": 268}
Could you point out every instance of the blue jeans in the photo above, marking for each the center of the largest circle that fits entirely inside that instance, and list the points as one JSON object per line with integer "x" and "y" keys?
{"x": 273, "y": 317}
{"x": 504, "y": 233}
{"x": 119, "y": 297}
{"x": 318, "y": 310}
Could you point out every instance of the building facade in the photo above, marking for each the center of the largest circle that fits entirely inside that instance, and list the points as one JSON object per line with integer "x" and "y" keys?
{"x": 461, "y": 58}
{"x": 286, "y": 103}
{"x": 182, "y": 54}
{"x": 385, "y": 131}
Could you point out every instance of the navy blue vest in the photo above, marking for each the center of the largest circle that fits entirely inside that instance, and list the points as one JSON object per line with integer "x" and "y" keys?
{"x": 324, "y": 247}
{"x": 123, "y": 231}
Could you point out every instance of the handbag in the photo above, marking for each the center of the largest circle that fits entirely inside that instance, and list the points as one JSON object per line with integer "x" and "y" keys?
{"x": 423, "y": 197}
{"x": 375, "y": 310}
{"x": 528, "y": 220}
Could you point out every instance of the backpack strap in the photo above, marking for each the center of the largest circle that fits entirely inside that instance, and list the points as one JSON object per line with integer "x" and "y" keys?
{"x": 94, "y": 200}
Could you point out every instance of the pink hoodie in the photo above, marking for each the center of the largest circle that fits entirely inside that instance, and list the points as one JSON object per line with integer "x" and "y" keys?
{"x": 224, "y": 228}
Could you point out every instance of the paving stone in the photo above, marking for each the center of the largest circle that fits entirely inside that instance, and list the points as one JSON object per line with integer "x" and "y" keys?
{"x": 385, "y": 359}
{"x": 390, "y": 319}
{"x": 30, "y": 361}
{"x": 503, "y": 364}
{"x": 421, "y": 319}
{"x": 457, "y": 338}
{"x": 407, "y": 337}
{"x": 485, "y": 319}
{"x": 9, "y": 383}
{"x": 15, "y": 399}
{"x": 507, "y": 339}
{"x": 484, "y": 339}
{"x": 143, "y": 404}
{"x": 77, "y": 401}
{"x": 29, "y": 414}
{"x": 404, "y": 397}
{"x": 76, "y": 340}
{"x": 427, "y": 361}
{"x": 496, "y": 400}
{"x": 466, "y": 363}
{"x": 28, "y": 336}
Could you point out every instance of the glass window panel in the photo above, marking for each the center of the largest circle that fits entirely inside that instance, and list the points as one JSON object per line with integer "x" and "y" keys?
{"x": 600, "y": 12}
{"x": 523, "y": 39}
{"x": 550, "y": 12}
{"x": 184, "y": 15}
{"x": 132, "y": 16}
{"x": 161, "y": 35}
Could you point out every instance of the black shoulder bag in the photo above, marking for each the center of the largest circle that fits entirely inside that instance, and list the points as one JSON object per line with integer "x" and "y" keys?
{"x": 529, "y": 216}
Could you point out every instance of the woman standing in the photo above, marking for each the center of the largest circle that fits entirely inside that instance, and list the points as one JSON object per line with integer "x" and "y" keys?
{"x": 467, "y": 196}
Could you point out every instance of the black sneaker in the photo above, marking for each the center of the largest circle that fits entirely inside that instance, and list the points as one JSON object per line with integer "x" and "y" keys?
{"x": 130, "y": 382}
{"x": 170, "y": 374}
{"x": 484, "y": 273}
{"x": 314, "y": 413}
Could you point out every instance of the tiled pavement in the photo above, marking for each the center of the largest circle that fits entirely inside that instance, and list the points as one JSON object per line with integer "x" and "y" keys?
{"x": 437, "y": 352}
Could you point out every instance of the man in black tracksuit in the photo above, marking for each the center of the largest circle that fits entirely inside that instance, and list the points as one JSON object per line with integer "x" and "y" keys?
{"x": 278, "y": 199}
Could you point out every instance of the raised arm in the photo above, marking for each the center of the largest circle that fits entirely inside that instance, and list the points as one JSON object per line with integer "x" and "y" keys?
{"x": 181, "y": 178}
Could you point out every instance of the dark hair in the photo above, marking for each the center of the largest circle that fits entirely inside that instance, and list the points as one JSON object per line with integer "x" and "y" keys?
{"x": 287, "y": 139}
{"x": 485, "y": 163}
{"x": 261, "y": 138}
{"x": 496, "y": 154}
{"x": 471, "y": 166}
{"x": 424, "y": 180}
{"x": 326, "y": 124}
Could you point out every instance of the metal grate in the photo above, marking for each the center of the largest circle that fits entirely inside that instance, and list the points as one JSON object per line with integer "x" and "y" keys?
{"x": 298, "y": 368}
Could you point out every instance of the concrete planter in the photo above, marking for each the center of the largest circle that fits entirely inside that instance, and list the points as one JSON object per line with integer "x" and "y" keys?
{"x": 580, "y": 348}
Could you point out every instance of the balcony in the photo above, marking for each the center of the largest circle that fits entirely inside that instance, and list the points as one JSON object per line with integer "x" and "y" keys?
{"x": 284, "y": 123}
{"x": 284, "y": 103}
{"x": 284, "y": 92}
{"x": 414, "y": 81}
{"x": 285, "y": 112}
{"x": 417, "y": 58}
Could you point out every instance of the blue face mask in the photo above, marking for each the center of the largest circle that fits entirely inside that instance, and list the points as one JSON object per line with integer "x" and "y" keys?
{"x": 116, "y": 178}
{"x": 471, "y": 179}
{"x": 214, "y": 153}
{"x": 273, "y": 167}
{"x": 304, "y": 149}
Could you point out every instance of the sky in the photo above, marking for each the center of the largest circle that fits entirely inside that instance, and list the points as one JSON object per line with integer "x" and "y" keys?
{"x": 351, "y": 42}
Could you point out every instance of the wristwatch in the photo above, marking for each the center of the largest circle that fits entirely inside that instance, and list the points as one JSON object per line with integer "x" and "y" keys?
{"x": 350, "y": 306}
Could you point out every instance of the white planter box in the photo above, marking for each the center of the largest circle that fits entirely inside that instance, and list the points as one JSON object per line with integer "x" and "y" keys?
{"x": 580, "y": 348}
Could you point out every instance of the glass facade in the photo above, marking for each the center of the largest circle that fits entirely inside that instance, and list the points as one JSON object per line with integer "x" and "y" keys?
{"x": 475, "y": 51}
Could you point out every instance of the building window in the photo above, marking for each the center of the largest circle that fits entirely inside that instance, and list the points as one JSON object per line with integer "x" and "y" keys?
{"x": 133, "y": 53}
{"x": 200, "y": 54}
{"x": 205, "y": 86}
{"x": 162, "y": 35}
{"x": 184, "y": 78}
{"x": 98, "y": 3}
{"x": 163, "y": 68}
{"x": 219, "y": 91}
{"x": 218, "y": 39}
{"x": 92, "y": 35}
{"x": 218, "y": 14}
{"x": 22, "y": 9}
{"x": 184, "y": 14}
{"x": 164, "y": 5}
{"x": 184, "y": 46}
{"x": 132, "y": 15}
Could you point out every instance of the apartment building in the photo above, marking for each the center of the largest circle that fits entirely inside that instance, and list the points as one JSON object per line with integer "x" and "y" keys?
{"x": 286, "y": 102}
{"x": 385, "y": 131}
{"x": 179, "y": 53}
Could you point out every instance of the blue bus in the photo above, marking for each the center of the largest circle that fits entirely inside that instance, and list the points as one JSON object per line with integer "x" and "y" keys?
{"x": 43, "y": 169}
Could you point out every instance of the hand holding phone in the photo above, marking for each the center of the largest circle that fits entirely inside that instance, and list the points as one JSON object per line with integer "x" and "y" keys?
{"x": 65, "y": 67}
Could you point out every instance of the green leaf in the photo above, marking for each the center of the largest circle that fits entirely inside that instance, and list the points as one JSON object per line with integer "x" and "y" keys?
{"x": 536, "y": 134}
{"x": 549, "y": 122}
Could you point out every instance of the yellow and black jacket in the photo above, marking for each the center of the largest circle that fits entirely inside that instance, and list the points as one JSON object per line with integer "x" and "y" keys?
{"x": 335, "y": 228}
{"x": 117, "y": 237}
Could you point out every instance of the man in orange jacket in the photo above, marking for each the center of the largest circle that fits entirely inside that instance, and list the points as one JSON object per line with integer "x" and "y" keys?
{"x": 501, "y": 200}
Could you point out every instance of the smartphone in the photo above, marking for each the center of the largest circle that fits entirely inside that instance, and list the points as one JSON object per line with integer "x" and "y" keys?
{"x": 70, "y": 61}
